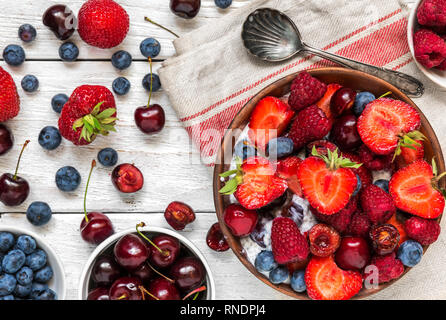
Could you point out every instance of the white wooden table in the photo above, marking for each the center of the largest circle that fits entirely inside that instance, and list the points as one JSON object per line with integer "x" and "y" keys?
{"x": 164, "y": 159}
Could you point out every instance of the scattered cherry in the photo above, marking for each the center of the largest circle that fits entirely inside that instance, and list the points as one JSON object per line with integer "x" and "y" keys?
{"x": 131, "y": 252}
{"x": 342, "y": 100}
{"x": 105, "y": 271}
{"x": 13, "y": 189}
{"x": 188, "y": 273}
{"x": 100, "y": 293}
{"x": 324, "y": 240}
{"x": 215, "y": 239}
{"x": 239, "y": 220}
{"x": 163, "y": 289}
{"x": 126, "y": 288}
{"x": 178, "y": 215}
{"x": 345, "y": 134}
{"x": 186, "y": 9}
{"x": 6, "y": 139}
{"x": 95, "y": 226}
{"x": 384, "y": 238}
{"x": 127, "y": 178}
{"x": 61, "y": 20}
{"x": 353, "y": 253}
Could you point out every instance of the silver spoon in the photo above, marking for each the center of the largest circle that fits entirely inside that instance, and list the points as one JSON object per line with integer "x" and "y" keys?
{"x": 272, "y": 36}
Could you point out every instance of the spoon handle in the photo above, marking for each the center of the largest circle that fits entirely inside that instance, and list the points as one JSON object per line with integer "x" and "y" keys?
{"x": 406, "y": 83}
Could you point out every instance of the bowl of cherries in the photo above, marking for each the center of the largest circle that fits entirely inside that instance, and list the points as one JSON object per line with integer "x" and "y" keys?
{"x": 149, "y": 263}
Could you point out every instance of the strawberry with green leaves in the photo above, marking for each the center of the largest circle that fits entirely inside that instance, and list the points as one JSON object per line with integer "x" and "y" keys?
{"x": 327, "y": 182}
{"x": 91, "y": 110}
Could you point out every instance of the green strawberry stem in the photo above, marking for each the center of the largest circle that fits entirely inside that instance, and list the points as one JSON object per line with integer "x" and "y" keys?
{"x": 141, "y": 225}
{"x": 144, "y": 290}
{"x": 196, "y": 291}
{"x": 160, "y": 26}
{"x": 18, "y": 161}
{"x": 335, "y": 161}
{"x": 151, "y": 83}
{"x": 231, "y": 185}
{"x": 93, "y": 164}
{"x": 160, "y": 274}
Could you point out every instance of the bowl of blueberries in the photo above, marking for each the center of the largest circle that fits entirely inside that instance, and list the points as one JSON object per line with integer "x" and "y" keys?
{"x": 29, "y": 268}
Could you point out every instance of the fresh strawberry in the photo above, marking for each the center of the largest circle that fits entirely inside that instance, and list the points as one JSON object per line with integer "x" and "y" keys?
{"x": 415, "y": 190}
{"x": 255, "y": 183}
{"x": 287, "y": 169}
{"x": 305, "y": 91}
{"x": 399, "y": 225}
{"x": 377, "y": 204}
{"x": 385, "y": 123}
{"x": 324, "y": 102}
{"x": 102, "y": 23}
{"x": 90, "y": 111}
{"x": 287, "y": 243}
{"x": 310, "y": 124}
{"x": 327, "y": 181}
{"x": 326, "y": 281}
{"x": 425, "y": 231}
{"x": 412, "y": 153}
{"x": 269, "y": 120}
{"x": 9, "y": 98}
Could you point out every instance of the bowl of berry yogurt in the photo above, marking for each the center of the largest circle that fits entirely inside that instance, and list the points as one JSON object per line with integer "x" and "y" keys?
{"x": 327, "y": 185}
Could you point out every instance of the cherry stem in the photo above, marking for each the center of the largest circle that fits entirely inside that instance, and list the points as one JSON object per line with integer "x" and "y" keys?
{"x": 93, "y": 164}
{"x": 141, "y": 225}
{"x": 202, "y": 288}
{"x": 151, "y": 83}
{"x": 122, "y": 297}
{"x": 162, "y": 27}
{"x": 160, "y": 274}
{"x": 146, "y": 291}
{"x": 18, "y": 161}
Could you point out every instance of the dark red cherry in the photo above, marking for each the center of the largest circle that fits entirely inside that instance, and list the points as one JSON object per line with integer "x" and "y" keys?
{"x": 345, "y": 133}
{"x": 144, "y": 272}
{"x": 353, "y": 253}
{"x": 165, "y": 251}
{"x": 178, "y": 215}
{"x": 127, "y": 178}
{"x": 61, "y": 20}
{"x": 150, "y": 119}
{"x": 186, "y": 9}
{"x": 105, "y": 271}
{"x": 239, "y": 220}
{"x": 188, "y": 273}
{"x": 131, "y": 252}
{"x": 97, "y": 228}
{"x": 342, "y": 100}
{"x": 215, "y": 239}
{"x": 6, "y": 139}
{"x": 100, "y": 293}
{"x": 163, "y": 290}
{"x": 126, "y": 288}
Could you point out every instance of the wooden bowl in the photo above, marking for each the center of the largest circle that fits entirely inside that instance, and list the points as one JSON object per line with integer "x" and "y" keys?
{"x": 346, "y": 77}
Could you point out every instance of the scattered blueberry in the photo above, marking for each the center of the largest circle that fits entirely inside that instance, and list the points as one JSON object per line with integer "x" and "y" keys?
{"x": 6, "y": 241}
{"x": 38, "y": 213}
{"x": 265, "y": 261}
{"x": 383, "y": 184}
{"x": 7, "y": 284}
{"x": 26, "y": 243}
{"x": 58, "y": 101}
{"x": 24, "y": 276}
{"x": 223, "y": 4}
{"x": 50, "y": 138}
{"x": 121, "y": 59}
{"x": 362, "y": 99}
{"x": 22, "y": 290}
{"x": 150, "y": 47}
{"x": 30, "y": 83}
{"x": 27, "y": 33}
{"x": 298, "y": 281}
{"x": 279, "y": 147}
{"x": 47, "y": 294}
{"x": 68, "y": 178}
{"x": 37, "y": 289}
{"x": 36, "y": 260}
{"x": 108, "y": 157}
{"x": 358, "y": 186}
{"x": 13, "y": 261}
{"x": 44, "y": 275}
{"x": 410, "y": 253}
{"x": 121, "y": 86}
{"x": 244, "y": 150}
{"x": 14, "y": 55}
{"x": 8, "y": 297}
{"x": 68, "y": 51}
{"x": 279, "y": 275}
{"x": 156, "y": 84}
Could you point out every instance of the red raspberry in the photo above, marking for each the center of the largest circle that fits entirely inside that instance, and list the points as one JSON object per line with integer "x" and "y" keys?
{"x": 340, "y": 220}
{"x": 310, "y": 124}
{"x": 422, "y": 230}
{"x": 389, "y": 267}
{"x": 442, "y": 66}
{"x": 432, "y": 13}
{"x": 373, "y": 161}
{"x": 288, "y": 244}
{"x": 305, "y": 91}
{"x": 430, "y": 49}
{"x": 360, "y": 225}
{"x": 363, "y": 173}
{"x": 377, "y": 204}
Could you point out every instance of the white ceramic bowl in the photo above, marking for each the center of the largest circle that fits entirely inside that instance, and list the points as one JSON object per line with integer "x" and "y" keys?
{"x": 437, "y": 76}
{"x": 57, "y": 283}
{"x": 86, "y": 272}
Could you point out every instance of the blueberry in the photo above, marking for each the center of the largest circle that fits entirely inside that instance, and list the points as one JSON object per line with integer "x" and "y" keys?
{"x": 265, "y": 261}
{"x": 156, "y": 84}
{"x": 244, "y": 150}
{"x": 37, "y": 289}
{"x": 358, "y": 186}
{"x": 150, "y": 47}
{"x": 298, "y": 281}
{"x": 58, "y": 102}
{"x": 7, "y": 284}
{"x": 6, "y": 241}
{"x": 38, "y": 213}
{"x": 44, "y": 275}
{"x": 47, "y": 294}
{"x": 121, "y": 59}
{"x": 121, "y": 86}
{"x": 223, "y": 4}
{"x": 279, "y": 147}
{"x": 68, "y": 178}
{"x": 13, "y": 261}
{"x": 27, "y": 33}
{"x": 410, "y": 253}
{"x": 279, "y": 275}
{"x": 14, "y": 55}
{"x": 68, "y": 51}
{"x": 362, "y": 99}
{"x": 108, "y": 157}
{"x": 30, "y": 83}
{"x": 8, "y": 297}
{"x": 36, "y": 260}
{"x": 24, "y": 276}
{"x": 22, "y": 291}
{"x": 383, "y": 184}
{"x": 26, "y": 243}
{"x": 49, "y": 138}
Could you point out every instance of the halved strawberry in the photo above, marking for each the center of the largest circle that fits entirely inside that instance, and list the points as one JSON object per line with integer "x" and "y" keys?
{"x": 269, "y": 120}
{"x": 384, "y": 123}
{"x": 414, "y": 189}
{"x": 327, "y": 181}
{"x": 255, "y": 183}
{"x": 326, "y": 281}
{"x": 287, "y": 169}
{"x": 324, "y": 102}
